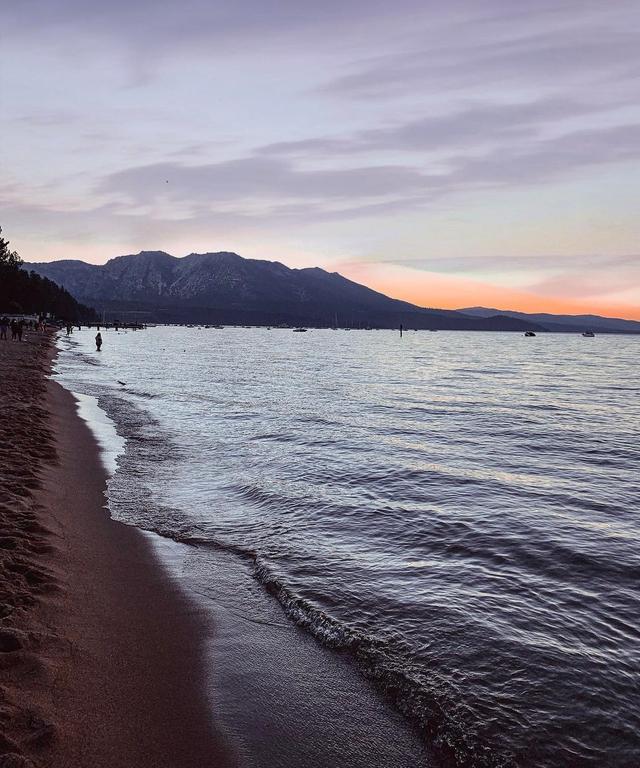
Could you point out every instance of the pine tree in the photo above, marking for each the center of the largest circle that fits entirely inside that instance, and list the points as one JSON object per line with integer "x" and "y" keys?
{"x": 8, "y": 259}
{"x": 27, "y": 292}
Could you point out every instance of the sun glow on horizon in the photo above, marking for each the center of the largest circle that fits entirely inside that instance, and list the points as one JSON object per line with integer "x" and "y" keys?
{"x": 434, "y": 290}
{"x": 421, "y": 287}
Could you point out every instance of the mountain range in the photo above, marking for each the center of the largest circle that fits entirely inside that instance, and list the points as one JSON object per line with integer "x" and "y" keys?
{"x": 562, "y": 323}
{"x": 223, "y": 287}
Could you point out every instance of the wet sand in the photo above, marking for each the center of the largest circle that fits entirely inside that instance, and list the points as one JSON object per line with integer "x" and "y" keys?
{"x": 100, "y": 654}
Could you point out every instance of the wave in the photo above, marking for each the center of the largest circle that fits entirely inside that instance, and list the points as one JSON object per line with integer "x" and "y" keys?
{"x": 140, "y": 393}
{"x": 384, "y": 663}
{"x": 424, "y": 700}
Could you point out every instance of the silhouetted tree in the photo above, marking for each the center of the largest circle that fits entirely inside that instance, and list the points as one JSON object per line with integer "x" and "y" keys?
{"x": 22, "y": 291}
{"x": 8, "y": 259}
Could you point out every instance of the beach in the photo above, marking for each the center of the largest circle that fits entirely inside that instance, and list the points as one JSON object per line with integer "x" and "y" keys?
{"x": 100, "y": 653}
{"x": 214, "y": 552}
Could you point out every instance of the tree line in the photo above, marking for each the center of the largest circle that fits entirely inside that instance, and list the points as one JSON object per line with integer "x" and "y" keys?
{"x": 28, "y": 293}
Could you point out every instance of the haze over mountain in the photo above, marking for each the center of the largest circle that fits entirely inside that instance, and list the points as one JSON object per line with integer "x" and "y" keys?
{"x": 224, "y": 287}
{"x": 554, "y": 322}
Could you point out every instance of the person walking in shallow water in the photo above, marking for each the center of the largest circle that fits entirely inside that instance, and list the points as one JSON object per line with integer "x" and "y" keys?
{"x": 98, "y": 340}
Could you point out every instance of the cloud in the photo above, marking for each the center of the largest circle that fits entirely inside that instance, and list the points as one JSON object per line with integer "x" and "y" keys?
{"x": 582, "y": 282}
{"x": 267, "y": 193}
{"x": 48, "y": 119}
{"x": 476, "y": 125}
{"x": 499, "y": 263}
{"x": 251, "y": 178}
{"x": 277, "y": 181}
{"x": 549, "y": 159}
{"x": 584, "y": 44}
{"x": 155, "y": 29}
{"x": 388, "y": 48}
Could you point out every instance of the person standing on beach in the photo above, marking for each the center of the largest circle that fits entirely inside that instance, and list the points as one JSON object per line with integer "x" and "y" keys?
{"x": 4, "y": 327}
{"x": 98, "y": 340}
{"x": 19, "y": 329}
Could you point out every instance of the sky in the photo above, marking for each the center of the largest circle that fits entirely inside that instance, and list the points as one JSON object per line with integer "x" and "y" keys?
{"x": 451, "y": 154}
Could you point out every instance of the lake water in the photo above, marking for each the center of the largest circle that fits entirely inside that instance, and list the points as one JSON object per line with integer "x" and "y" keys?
{"x": 454, "y": 513}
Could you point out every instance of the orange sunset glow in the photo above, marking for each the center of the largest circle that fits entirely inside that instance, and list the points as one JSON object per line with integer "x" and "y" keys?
{"x": 431, "y": 289}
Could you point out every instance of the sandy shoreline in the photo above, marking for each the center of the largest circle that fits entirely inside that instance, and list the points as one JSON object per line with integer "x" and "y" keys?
{"x": 100, "y": 654}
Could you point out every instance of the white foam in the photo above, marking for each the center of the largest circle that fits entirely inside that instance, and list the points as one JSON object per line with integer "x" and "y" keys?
{"x": 111, "y": 444}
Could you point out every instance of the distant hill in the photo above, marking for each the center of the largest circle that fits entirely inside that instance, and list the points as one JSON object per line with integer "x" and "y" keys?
{"x": 562, "y": 323}
{"x": 226, "y": 288}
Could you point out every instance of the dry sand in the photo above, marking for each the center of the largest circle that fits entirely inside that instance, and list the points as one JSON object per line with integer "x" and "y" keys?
{"x": 100, "y": 654}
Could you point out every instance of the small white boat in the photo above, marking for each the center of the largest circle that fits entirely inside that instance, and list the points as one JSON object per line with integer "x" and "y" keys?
{"x": 589, "y": 334}
{"x": 299, "y": 330}
{"x": 529, "y": 333}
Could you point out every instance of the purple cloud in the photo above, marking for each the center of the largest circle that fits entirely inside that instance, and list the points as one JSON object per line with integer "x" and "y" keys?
{"x": 276, "y": 180}
{"x": 259, "y": 177}
{"x": 474, "y": 126}
{"x": 578, "y": 44}
{"x": 589, "y": 262}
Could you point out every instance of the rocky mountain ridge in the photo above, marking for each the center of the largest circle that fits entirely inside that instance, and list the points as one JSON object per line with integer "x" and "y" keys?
{"x": 225, "y": 287}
